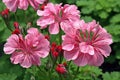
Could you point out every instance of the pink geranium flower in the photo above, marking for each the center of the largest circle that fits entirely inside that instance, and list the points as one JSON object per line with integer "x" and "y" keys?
{"x": 86, "y": 44}
{"x": 27, "y": 51}
{"x": 12, "y": 5}
{"x": 57, "y": 16}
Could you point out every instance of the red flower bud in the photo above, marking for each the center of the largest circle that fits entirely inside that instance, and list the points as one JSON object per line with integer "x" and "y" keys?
{"x": 59, "y": 48}
{"x": 42, "y": 6}
{"x": 61, "y": 69}
{"x": 47, "y": 37}
{"x": 65, "y": 64}
{"x": 16, "y": 25}
{"x": 16, "y": 31}
{"x": 55, "y": 54}
{"x": 46, "y": 1}
{"x": 5, "y": 13}
{"x": 54, "y": 44}
{"x": 52, "y": 49}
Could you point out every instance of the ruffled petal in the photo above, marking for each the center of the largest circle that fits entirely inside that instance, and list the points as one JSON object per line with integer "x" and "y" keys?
{"x": 54, "y": 28}
{"x": 82, "y": 60}
{"x": 71, "y": 55}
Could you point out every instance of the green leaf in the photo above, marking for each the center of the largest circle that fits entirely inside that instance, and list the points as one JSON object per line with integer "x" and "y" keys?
{"x": 87, "y": 18}
{"x": 115, "y": 19}
{"x": 103, "y": 15}
{"x": 2, "y": 6}
{"x": 118, "y": 54}
{"x": 4, "y": 31}
{"x": 98, "y": 7}
{"x": 7, "y": 67}
{"x": 114, "y": 30}
{"x": 81, "y": 3}
{"x": 111, "y": 76}
{"x": 86, "y": 10}
{"x": 6, "y": 76}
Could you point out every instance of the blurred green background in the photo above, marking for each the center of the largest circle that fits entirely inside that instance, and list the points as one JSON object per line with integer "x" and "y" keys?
{"x": 106, "y": 12}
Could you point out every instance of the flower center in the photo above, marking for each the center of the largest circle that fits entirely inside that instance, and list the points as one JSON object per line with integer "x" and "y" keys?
{"x": 84, "y": 36}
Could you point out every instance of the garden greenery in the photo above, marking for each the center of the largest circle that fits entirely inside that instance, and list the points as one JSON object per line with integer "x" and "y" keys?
{"x": 63, "y": 39}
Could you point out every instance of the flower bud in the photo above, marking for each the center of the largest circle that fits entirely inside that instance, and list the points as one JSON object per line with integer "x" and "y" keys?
{"x": 55, "y": 54}
{"x": 16, "y": 25}
{"x": 5, "y": 13}
{"x": 65, "y": 64}
{"x": 47, "y": 37}
{"x": 54, "y": 44}
{"x": 59, "y": 48}
{"x": 61, "y": 69}
{"x": 16, "y": 31}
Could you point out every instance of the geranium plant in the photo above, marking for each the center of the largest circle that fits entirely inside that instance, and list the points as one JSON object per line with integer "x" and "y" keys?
{"x": 58, "y": 44}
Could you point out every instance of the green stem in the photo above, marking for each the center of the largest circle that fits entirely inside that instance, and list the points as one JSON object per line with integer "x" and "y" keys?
{"x": 69, "y": 64}
{"x": 60, "y": 76}
{"x": 25, "y": 16}
{"x": 7, "y": 25}
{"x": 15, "y": 16}
{"x": 50, "y": 74}
{"x": 60, "y": 42}
{"x": 60, "y": 34}
{"x": 77, "y": 71}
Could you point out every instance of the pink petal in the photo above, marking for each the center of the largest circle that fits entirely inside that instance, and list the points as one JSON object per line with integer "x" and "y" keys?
{"x": 42, "y": 50}
{"x": 43, "y": 21}
{"x": 12, "y": 44}
{"x": 63, "y": 37}
{"x": 40, "y": 1}
{"x": 35, "y": 59}
{"x": 71, "y": 9}
{"x": 40, "y": 12}
{"x": 68, "y": 47}
{"x": 23, "y": 4}
{"x": 33, "y": 31}
{"x": 9, "y": 50}
{"x": 52, "y": 8}
{"x": 34, "y": 4}
{"x": 26, "y": 63}
{"x": 81, "y": 60}
{"x": 11, "y": 4}
{"x": 54, "y": 28}
{"x": 71, "y": 55}
{"x": 65, "y": 25}
{"x": 104, "y": 38}
{"x": 104, "y": 49}
{"x": 17, "y": 57}
{"x": 96, "y": 60}
{"x": 84, "y": 48}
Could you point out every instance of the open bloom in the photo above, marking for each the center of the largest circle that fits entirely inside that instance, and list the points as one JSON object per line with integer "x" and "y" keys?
{"x": 27, "y": 51}
{"x": 12, "y": 5}
{"x": 55, "y": 15}
{"x": 86, "y": 44}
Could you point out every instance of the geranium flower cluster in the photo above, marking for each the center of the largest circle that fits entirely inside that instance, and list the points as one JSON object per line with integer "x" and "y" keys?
{"x": 86, "y": 44}
{"x": 83, "y": 43}
{"x": 12, "y": 5}
{"x": 58, "y": 16}
{"x": 27, "y": 50}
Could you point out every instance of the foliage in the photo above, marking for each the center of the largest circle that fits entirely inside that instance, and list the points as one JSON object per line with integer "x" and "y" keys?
{"x": 107, "y": 12}
{"x": 111, "y": 76}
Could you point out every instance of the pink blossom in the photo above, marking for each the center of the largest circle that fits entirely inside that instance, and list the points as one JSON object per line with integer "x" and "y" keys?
{"x": 57, "y": 16}
{"x": 27, "y": 51}
{"x": 12, "y": 5}
{"x": 86, "y": 44}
